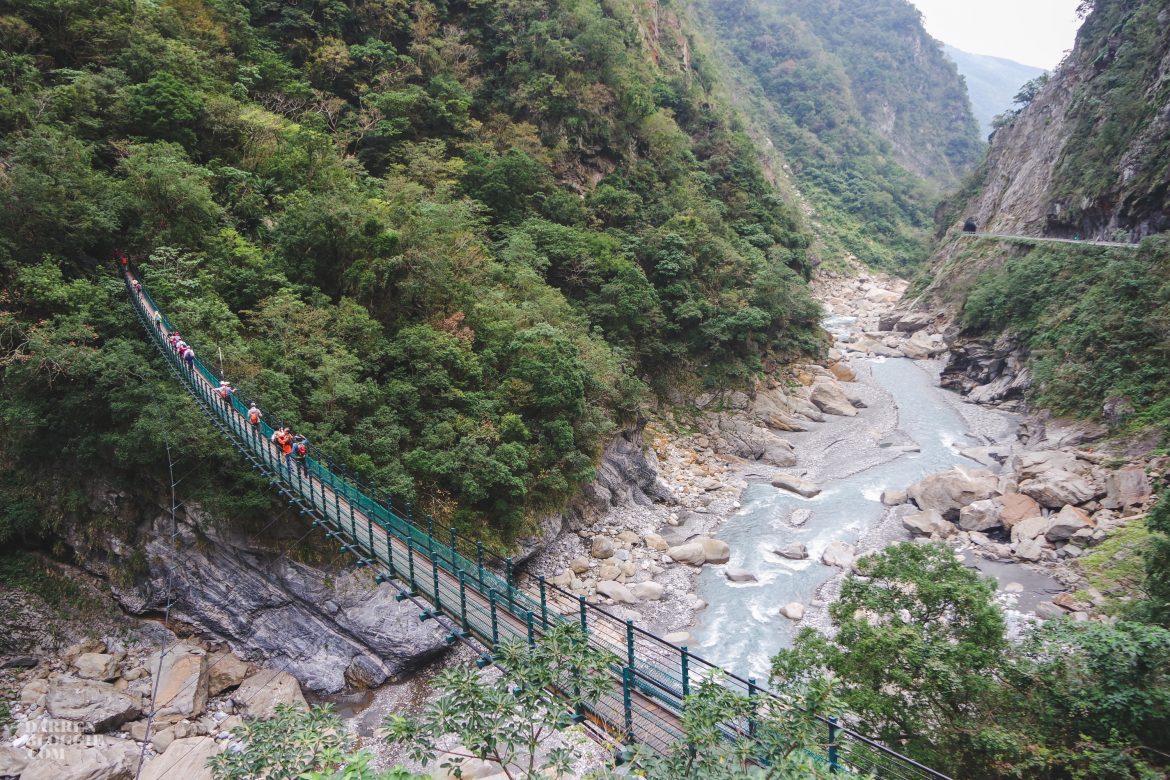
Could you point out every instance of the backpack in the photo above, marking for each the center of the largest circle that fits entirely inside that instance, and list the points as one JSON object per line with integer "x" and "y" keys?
{"x": 253, "y": 416}
{"x": 300, "y": 449}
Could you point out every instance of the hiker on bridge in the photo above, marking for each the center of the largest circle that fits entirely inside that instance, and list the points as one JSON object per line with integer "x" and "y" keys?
{"x": 254, "y": 415}
{"x": 188, "y": 356}
{"x": 157, "y": 320}
{"x": 300, "y": 453}
{"x": 283, "y": 439}
{"x": 225, "y": 391}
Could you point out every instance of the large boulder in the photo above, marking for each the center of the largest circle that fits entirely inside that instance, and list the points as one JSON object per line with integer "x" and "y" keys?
{"x": 98, "y": 705}
{"x": 655, "y": 542}
{"x": 224, "y": 672}
{"x": 1031, "y": 528}
{"x": 1016, "y": 507}
{"x": 259, "y": 695}
{"x": 691, "y": 553}
{"x": 616, "y": 591}
{"x": 602, "y": 547}
{"x": 1028, "y": 550}
{"x": 1029, "y": 465}
{"x": 94, "y": 758}
{"x": 735, "y": 574}
{"x": 947, "y": 492}
{"x": 1067, "y": 522}
{"x": 180, "y": 672}
{"x": 796, "y": 551}
{"x": 1126, "y": 488}
{"x": 921, "y": 346}
{"x": 911, "y": 323}
{"x": 13, "y": 761}
{"x": 839, "y": 554}
{"x": 982, "y": 515}
{"x": 795, "y": 484}
{"x": 97, "y": 666}
{"x": 828, "y": 396}
{"x": 1056, "y": 488}
{"x": 927, "y": 523}
{"x": 186, "y": 759}
{"x": 647, "y": 591}
{"x": 714, "y": 550}
{"x": 793, "y": 610}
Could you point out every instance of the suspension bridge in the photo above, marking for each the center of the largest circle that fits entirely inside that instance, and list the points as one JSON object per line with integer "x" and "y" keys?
{"x": 479, "y": 599}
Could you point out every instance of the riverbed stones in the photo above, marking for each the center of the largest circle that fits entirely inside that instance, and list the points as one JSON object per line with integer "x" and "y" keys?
{"x": 894, "y": 497}
{"x": 949, "y": 491}
{"x": 690, "y": 553}
{"x": 608, "y": 572}
{"x": 579, "y": 565}
{"x": 842, "y": 372}
{"x": 1067, "y": 522}
{"x": 839, "y": 554}
{"x": 616, "y": 591}
{"x": 602, "y": 547}
{"x": 647, "y": 591}
{"x": 562, "y": 580}
{"x": 735, "y": 574}
{"x": 927, "y": 523}
{"x": 98, "y": 705}
{"x": 1029, "y": 465}
{"x": 680, "y": 638}
{"x": 828, "y": 396}
{"x": 259, "y": 695}
{"x": 793, "y": 610}
{"x": 714, "y": 550}
{"x": 797, "y": 551}
{"x": 1028, "y": 550}
{"x": 1054, "y": 489}
{"x": 795, "y": 484}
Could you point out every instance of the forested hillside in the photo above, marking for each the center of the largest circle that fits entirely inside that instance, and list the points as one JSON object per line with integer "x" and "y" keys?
{"x": 456, "y": 244}
{"x": 993, "y": 83}
{"x": 871, "y": 117}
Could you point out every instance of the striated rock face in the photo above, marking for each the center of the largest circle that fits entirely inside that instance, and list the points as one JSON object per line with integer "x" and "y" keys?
{"x": 988, "y": 373}
{"x": 272, "y": 609}
{"x": 627, "y": 474}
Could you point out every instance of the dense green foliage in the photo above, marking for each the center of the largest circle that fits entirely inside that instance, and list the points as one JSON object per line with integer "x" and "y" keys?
{"x": 1095, "y": 320}
{"x": 451, "y": 242}
{"x": 920, "y": 658}
{"x": 827, "y": 73}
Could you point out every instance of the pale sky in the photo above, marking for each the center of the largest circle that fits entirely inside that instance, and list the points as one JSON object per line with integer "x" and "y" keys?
{"x": 1033, "y": 32}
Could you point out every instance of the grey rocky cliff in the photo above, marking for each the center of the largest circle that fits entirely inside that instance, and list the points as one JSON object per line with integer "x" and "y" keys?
{"x": 328, "y": 627}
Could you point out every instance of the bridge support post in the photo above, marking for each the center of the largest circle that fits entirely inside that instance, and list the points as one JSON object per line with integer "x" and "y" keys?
{"x": 531, "y": 632}
{"x": 752, "y": 704}
{"x": 584, "y": 619}
{"x": 479, "y": 562}
{"x": 495, "y": 620}
{"x": 630, "y": 643}
{"x": 833, "y": 757}
{"x": 435, "y": 582}
{"x": 463, "y": 601}
{"x": 627, "y": 703}
{"x": 685, "y": 662}
{"x": 410, "y": 562}
{"x": 543, "y": 604}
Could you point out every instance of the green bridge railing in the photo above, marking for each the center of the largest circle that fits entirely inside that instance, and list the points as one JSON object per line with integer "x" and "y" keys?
{"x": 474, "y": 594}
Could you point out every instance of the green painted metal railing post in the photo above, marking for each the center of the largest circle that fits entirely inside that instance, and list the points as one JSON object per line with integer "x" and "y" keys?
{"x": 510, "y": 579}
{"x": 337, "y": 504}
{"x": 463, "y": 601}
{"x": 584, "y": 619}
{"x": 630, "y": 643}
{"x": 627, "y": 703}
{"x": 531, "y": 631}
{"x": 431, "y": 532}
{"x": 435, "y": 582}
{"x": 752, "y": 703}
{"x": 454, "y": 546}
{"x": 410, "y": 562}
{"x": 370, "y": 535}
{"x": 833, "y": 758}
{"x": 543, "y": 604}
{"x": 686, "y": 671}
{"x": 352, "y": 528}
{"x": 495, "y": 621}
{"x": 389, "y": 555}
{"x": 479, "y": 562}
